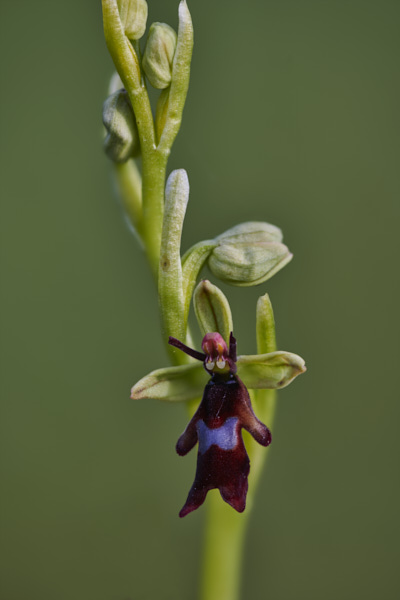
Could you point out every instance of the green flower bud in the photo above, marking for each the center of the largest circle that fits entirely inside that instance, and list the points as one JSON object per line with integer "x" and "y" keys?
{"x": 159, "y": 54}
{"x": 249, "y": 254}
{"x": 122, "y": 139}
{"x": 133, "y": 15}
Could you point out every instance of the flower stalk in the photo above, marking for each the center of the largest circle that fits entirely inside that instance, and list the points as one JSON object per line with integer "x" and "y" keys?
{"x": 220, "y": 388}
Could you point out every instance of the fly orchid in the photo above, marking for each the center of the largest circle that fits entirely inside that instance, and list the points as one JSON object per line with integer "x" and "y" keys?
{"x": 222, "y": 460}
{"x": 247, "y": 254}
{"x": 222, "y": 379}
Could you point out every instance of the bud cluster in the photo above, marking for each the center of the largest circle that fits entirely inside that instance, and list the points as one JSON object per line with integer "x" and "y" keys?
{"x": 122, "y": 141}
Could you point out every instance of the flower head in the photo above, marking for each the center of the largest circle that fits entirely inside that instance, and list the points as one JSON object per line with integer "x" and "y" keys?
{"x": 225, "y": 410}
{"x": 221, "y": 378}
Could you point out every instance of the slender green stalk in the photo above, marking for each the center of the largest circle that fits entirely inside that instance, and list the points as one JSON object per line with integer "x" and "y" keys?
{"x": 154, "y": 167}
{"x": 223, "y": 550}
{"x": 129, "y": 182}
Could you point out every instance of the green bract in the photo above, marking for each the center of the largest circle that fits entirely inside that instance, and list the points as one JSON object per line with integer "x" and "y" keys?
{"x": 170, "y": 286}
{"x": 159, "y": 54}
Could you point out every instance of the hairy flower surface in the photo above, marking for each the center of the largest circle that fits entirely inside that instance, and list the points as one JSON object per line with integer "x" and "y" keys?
{"x": 225, "y": 410}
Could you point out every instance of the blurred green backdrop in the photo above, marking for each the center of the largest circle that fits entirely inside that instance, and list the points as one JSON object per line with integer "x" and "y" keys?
{"x": 292, "y": 117}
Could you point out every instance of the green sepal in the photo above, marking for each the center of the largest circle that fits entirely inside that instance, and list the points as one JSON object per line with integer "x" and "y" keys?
{"x": 187, "y": 382}
{"x": 172, "y": 384}
{"x": 212, "y": 310}
{"x": 269, "y": 371}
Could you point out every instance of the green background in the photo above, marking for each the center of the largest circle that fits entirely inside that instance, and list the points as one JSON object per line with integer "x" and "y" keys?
{"x": 293, "y": 118}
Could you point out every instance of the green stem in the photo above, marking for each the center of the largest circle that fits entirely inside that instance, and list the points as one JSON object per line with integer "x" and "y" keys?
{"x": 223, "y": 550}
{"x": 129, "y": 183}
{"x": 143, "y": 201}
{"x": 154, "y": 167}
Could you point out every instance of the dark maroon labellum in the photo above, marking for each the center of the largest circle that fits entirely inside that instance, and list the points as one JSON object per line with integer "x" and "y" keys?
{"x": 225, "y": 409}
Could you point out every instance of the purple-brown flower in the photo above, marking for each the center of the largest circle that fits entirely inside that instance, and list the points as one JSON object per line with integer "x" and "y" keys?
{"x": 225, "y": 410}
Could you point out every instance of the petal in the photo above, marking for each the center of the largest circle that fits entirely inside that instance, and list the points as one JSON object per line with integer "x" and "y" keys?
{"x": 270, "y": 371}
{"x": 172, "y": 384}
{"x": 212, "y": 310}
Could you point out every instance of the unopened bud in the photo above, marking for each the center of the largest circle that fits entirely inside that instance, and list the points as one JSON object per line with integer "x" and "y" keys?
{"x": 159, "y": 54}
{"x": 133, "y": 15}
{"x": 122, "y": 139}
{"x": 249, "y": 254}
